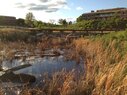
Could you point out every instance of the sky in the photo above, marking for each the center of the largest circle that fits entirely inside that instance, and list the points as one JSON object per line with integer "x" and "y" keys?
{"x": 53, "y": 10}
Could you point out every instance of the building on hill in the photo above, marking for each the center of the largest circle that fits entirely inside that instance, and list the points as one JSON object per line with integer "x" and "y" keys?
{"x": 7, "y": 20}
{"x": 105, "y": 14}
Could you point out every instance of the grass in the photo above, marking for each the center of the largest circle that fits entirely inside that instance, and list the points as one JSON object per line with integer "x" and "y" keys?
{"x": 15, "y": 35}
{"x": 104, "y": 67}
{"x": 105, "y": 62}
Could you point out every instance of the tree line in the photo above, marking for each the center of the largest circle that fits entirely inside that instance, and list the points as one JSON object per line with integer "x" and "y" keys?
{"x": 109, "y": 24}
{"x": 114, "y": 23}
{"x": 30, "y": 21}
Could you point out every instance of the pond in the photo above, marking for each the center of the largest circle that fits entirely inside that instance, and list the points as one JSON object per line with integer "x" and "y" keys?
{"x": 40, "y": 66}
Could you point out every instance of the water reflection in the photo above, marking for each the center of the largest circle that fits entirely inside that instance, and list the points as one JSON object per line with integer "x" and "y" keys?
{"x": 48, "y": 65}
{"x": 40, "y": 66}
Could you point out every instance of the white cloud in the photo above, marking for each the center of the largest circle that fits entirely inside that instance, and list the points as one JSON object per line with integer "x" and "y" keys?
{"x": 44, "y": 0}
{"x": 44, "y": 5}
{"x": 79, "y": 8}
{"x": 46, "y": 8}
{"x": 66, "y": 7}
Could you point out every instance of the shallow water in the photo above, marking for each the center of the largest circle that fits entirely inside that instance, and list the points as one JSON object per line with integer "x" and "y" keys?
{"x": 40, "y": 66}
{"x": 43, "y": 65}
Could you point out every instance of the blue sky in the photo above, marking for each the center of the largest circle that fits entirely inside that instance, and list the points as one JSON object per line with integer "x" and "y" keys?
{"x": 48, "y": 10}
{"x": 88, "y": 5}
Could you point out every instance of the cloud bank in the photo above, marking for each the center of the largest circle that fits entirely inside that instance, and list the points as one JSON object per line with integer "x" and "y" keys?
{"x": 44, "y": 5}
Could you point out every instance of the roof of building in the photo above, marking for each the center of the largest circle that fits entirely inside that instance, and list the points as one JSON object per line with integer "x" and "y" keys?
{"x": 113, "y": 9}
{"x": 7, "y": 16}
{"x": 107, "y": 11}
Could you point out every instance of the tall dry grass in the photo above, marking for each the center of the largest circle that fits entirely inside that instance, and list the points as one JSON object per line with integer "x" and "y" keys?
{"x": 106, "y": 69}
{"x": 105, "y": 72}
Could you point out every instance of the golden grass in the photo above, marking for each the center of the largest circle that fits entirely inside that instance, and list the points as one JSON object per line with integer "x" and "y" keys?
{"x": 105, "y": 69}
{"x": 104, "y": 66}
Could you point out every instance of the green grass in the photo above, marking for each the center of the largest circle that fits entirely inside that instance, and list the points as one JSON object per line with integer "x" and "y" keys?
{"x": 119, "y": 39}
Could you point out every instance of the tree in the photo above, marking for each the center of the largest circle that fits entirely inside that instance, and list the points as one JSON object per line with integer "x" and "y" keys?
{"x": 20, "y": 22}
{"x": 52, "y": 21}
{"x": 60, "y": 21}
{"x": 80, "y": 18}
{"x": 70, "y": 22}
{"x": 38, "y": 24}
{"x": 29, "y": 19}
{"x": 63, "y": 22}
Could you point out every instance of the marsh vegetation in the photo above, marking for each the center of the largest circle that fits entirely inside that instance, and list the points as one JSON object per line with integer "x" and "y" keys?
{"x": 103, "y": 58}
